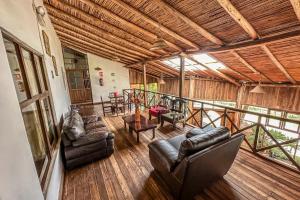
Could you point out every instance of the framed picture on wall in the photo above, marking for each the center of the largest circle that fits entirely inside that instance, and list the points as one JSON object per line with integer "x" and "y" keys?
{"x": 55, "y": 65}
{"x": 46, "y": 43}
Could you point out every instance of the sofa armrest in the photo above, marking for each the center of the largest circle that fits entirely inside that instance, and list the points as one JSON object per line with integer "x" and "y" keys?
{"x": 163, "y": 154}
{"x": 90, "y": 138}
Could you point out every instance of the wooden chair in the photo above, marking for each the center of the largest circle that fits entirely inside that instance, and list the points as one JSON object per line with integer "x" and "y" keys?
{"x": 118, "y": 104}
{"x": 161, "y": 108}
{"x": 176, "y": 114}
{"x": 106, "y": 107}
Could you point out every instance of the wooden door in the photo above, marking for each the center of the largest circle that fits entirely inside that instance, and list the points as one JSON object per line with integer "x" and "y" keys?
{"x": 79, "y": 85}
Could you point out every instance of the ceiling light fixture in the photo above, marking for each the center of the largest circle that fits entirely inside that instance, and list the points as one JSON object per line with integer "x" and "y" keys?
{"x": 159, "y": 43}
{"x": 161, "y": 80}
{"x": 258, "y": 89}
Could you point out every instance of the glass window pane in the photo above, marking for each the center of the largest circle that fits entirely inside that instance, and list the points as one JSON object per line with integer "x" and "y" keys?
{"x": 49, "y": 125}
{"x": 30, "y": 73}
{"x": 15, "y": 70}
{"x": 40, "y": 72}
{"x": 275, "y": 122}
{"x": 35, "y": 136}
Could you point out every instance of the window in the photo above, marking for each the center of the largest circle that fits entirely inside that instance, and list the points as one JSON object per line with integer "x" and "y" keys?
{"x": 275, "y": 122}
{"x": 252, "y": 117}
{"x": 32, "y": 91}
{"x": 292, "y": 126}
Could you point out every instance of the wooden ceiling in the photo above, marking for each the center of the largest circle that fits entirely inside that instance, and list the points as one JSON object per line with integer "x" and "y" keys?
{"x": 255, "y": 39}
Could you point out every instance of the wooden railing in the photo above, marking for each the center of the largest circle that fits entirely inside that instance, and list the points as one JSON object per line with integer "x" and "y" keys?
{"x": 260, "y": 138}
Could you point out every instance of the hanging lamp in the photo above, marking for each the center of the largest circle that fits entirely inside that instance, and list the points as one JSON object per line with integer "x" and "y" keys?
{"x": 161, "y": 80}
{"x": 159, "y": 43}
{"x": 258, "y": 89}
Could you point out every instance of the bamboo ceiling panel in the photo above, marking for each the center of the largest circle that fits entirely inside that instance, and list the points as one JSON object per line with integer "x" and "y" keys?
{"x": 231, "y": 61}
{"x": 268, "y": 17}
{"x": 288, "y": 53}
{"x": 257, "y": 58}
{"x": 212, "y": 17}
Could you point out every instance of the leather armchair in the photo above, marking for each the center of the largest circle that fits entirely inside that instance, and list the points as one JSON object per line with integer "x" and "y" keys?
{"x": 188, "y": 165}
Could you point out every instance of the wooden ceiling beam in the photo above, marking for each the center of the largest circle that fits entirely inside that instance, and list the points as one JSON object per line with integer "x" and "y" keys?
{"x": 166, "y": 68}
{"x": 62, "y": 30}
{"x": 242, "y": 60}
{"x": 111, "y": 53}
{"x": 155, "y": 24}
{"x": 161, "y": 69}
{"x": 278, "y": 64}
{"x": 220, "y": 74}
{"x": 236, "y": 46}
{"x": 68, "y": 26}
{"x": 239, "y": 18}
{"x": 296, "y": 6}
{"x": 232, "y": 70}
{"x": 134, "y": 27}
{"x": 58, "y": 27}
{"x": 191, "y": 23}
{"x": 85, "y": 23}
{"x": 86, "y": 49}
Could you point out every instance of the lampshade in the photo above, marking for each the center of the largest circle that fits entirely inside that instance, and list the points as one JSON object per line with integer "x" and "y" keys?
{"x": 161, "y": 80}
{"x": 258, "y": 90}
{"x": 159, "y": 44}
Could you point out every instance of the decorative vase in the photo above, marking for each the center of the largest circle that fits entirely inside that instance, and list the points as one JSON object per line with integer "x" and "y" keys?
{"x": 137, "y": 113}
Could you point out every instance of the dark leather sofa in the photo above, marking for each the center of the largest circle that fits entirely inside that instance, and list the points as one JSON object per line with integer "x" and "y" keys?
{"x": 190, "y": 162}
{"x": 84, "y": 140}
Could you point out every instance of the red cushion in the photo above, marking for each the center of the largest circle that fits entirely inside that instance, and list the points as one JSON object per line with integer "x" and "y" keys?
{"x": 157, "y": 110}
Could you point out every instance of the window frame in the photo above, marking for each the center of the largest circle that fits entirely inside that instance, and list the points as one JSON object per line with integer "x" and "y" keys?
{"x": 51, "y": 149}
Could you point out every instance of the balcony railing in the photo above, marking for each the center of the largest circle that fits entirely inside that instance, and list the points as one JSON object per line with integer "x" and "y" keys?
{"x": 263, "y": 140}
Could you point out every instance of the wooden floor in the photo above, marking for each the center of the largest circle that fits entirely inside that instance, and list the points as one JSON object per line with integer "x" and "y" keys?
{"x": 128, "y": 174}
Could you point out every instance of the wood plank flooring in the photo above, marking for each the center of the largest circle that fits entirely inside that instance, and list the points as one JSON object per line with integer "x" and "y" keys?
{"x": 128, "y": 174}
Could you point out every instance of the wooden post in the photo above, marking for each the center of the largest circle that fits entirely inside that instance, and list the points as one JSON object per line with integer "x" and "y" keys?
{"x": 191, "y": 93}
{"x": 240, "y": 95}
{"x": 181, "y": 77}
{"x": 145, "y": 84}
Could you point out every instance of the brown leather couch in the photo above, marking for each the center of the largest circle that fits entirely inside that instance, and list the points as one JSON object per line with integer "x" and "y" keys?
{"x": 84, "y": 140}
{"x": 190, "y": 162}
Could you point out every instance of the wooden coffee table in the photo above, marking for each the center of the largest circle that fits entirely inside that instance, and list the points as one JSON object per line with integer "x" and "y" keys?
{"x": 138, "y": 127}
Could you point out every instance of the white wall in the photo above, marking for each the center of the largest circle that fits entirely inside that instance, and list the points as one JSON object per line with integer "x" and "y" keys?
{"x": 121, "y": 78}
{"x": 18, "y": 177}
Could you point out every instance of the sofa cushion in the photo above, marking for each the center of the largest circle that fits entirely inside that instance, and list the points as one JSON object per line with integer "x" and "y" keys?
{"x": 90, "y": 138}
{"x": 177, "y": 140}
{"x": 93, "y": 125}
{"x": 202, "y": 141}
{"x": 91, "y": 119}
{"x": 73, "y": 126}
{"x": 198, "y": 131}
{"x": 164, "y": 153}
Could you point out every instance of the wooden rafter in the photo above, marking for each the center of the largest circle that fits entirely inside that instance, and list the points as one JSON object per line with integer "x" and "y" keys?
{"x": 91, "y": 48}
{"x": 69, "y": 27}
{"x": 155, "y": 23}
{"x": 163, "y": 69}
{"x": 58, "y": 27}
{"x": 220, "y": 74}
{"x": 278, "y": 64}
{"x": 242, "y": 60}
{"x": 239, "y": 18}
{"x": 95, "y": 43}
{"x": 86, "y": 49}
{"x": 106, "y": 12}
{"x": 232, "y": 70}
{"x": 191, "y": 23}
{"x": 66, "y": 18}
{"x": 296, "y": 6}
{"x": 237, "y": 46}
